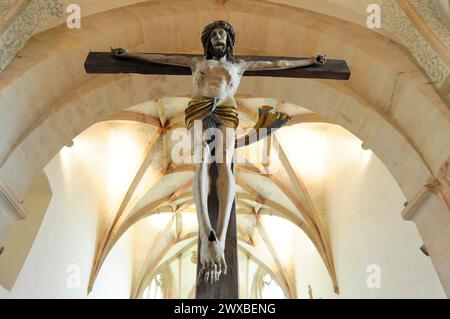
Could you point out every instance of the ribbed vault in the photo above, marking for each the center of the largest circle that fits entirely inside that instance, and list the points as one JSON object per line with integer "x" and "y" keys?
{"x": 151, "y": 192}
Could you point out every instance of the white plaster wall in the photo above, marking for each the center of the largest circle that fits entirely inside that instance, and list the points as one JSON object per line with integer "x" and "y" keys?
{"x": 65, "y": 244}
{"x": 310, "y": 269}
{"x": 188, "y": 272}
{"x": 364, "y": 205}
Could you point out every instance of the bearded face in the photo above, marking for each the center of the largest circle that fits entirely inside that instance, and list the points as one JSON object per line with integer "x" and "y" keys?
{"x": 219, "y": 43}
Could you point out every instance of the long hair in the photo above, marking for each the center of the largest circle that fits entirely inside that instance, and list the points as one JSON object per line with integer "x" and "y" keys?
{"x": 206, "y": 39}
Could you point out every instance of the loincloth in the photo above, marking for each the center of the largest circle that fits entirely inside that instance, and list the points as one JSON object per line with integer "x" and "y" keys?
{"x": 213, "y": 112}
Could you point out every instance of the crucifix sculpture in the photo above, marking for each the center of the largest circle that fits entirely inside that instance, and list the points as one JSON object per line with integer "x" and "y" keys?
{"x": 216, "y": 78}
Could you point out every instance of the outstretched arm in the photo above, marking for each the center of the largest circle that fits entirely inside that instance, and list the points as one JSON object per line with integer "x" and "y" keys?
{"x": 155, "y": 58}
{"x": 285, "y": 64}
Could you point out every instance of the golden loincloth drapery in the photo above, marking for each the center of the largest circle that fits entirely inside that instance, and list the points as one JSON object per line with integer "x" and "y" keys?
{"x": 213, "y": 112}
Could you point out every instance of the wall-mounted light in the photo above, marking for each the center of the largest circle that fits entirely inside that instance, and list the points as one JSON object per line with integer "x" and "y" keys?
{"x": 365, "y": 147}
{"x": 70, "y": 144}
{"x": 424, "y": 250}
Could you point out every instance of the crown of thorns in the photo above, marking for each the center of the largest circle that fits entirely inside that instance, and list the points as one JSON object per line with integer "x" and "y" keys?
{"x": 206, "y": 34}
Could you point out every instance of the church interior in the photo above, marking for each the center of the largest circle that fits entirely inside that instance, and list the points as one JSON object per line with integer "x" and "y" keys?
{"x": 350, "y": 201}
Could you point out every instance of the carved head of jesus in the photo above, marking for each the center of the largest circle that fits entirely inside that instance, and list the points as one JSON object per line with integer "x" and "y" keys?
{"x": 218, "y": 39}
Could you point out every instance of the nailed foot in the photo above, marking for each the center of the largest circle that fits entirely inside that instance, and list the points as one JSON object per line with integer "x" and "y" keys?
{"x": 212, "y": 259}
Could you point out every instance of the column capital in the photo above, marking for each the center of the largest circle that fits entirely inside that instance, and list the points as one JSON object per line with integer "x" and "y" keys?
{"x": 413, "y": 206}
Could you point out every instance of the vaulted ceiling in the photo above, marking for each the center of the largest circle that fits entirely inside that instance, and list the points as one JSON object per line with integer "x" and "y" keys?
{"x": 269, "y": 186}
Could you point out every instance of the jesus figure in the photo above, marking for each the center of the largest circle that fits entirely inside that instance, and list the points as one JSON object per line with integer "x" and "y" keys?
{"x": 216, "y": 78}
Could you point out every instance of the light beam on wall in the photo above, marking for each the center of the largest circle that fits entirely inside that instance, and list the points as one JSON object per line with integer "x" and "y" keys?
{"x": 124, "y": 152}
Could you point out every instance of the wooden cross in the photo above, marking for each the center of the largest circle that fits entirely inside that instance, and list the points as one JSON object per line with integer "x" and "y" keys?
{"x": 104, "y": 63}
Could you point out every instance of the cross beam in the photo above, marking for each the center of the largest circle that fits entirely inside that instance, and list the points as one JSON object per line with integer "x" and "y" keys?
{"x": 104, "y": 62}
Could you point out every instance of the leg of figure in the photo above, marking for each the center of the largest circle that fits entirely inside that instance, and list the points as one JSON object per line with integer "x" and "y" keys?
{"x": 211, "y": 254}
{"x": 226, "y": 184}
{"x": 201, "y": 183}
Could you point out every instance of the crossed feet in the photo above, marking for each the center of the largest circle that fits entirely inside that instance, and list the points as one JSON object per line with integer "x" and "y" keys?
{"x": 212, "y": 259}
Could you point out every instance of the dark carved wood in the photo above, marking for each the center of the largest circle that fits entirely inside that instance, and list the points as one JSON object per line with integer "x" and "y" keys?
{"x": 228, "y": 285}
{"x": 104, "y": 62}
